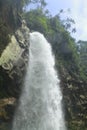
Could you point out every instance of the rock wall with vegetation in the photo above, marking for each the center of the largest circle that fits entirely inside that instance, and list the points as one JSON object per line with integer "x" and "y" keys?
{"x": 14, "y": 44}
{"x": 70, "y": 57}
{"x": 13, "y": 64}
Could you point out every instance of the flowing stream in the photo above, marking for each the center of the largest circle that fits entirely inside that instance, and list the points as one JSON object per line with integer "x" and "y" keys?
{"x": 40, "y": 103}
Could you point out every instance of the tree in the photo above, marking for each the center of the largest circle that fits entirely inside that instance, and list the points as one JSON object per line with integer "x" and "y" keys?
{"x": 82, "y": 51}
{"x": 36, "y": 20}
{"x": 43, "y": 3}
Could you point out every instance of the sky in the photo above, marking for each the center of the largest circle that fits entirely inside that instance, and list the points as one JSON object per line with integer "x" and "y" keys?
{"x": 78, "y": 11}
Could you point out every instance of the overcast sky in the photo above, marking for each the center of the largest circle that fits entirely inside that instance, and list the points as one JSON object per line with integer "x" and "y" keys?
{"x": 78, "y": 13}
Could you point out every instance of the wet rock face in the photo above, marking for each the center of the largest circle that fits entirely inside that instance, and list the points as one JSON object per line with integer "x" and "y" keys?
{"x": 75, "y": 100}
{"x": 7, "y": 106}
{"x": 13, "y": 62}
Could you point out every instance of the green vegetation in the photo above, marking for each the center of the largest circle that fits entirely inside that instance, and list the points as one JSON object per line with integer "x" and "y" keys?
{"x": 71, "y": 57}
{"x": 64, "y": 46}
{"x": 11, "y": 12}
{"x": 82, "y": 51}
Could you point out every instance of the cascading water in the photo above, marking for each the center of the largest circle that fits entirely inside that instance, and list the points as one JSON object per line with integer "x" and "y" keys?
{"x": 40, "y": 103}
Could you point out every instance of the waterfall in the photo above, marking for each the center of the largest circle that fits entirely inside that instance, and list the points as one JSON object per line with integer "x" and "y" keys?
{"x": 40, "y": 103}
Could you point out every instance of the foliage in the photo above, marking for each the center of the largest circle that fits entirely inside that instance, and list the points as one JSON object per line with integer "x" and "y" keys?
{"x": 56, "y": 31}
{"x": 36, "y": 20}
{"x": 82, "y": 52}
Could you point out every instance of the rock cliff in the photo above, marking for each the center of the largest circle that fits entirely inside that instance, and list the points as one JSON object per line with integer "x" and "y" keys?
{"x": 13, "y": 62}
{"x": 75, "y": 100}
